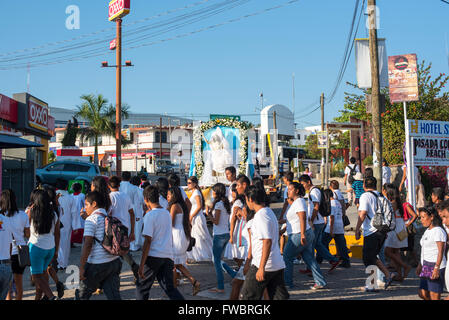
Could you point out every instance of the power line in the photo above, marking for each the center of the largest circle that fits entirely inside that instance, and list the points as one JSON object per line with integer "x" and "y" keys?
{"x": 90, "y": 54}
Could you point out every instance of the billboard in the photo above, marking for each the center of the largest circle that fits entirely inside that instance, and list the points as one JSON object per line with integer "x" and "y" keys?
{"x": 431, "y": 151}
{"x": 322, "y": 139}
{"x": 363, "y": 63}
{"x": 118, "y": 9}
{"x": 403, "y": 78}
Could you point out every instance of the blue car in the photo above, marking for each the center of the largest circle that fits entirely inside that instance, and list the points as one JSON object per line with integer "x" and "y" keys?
{"x": 67, "y": 170}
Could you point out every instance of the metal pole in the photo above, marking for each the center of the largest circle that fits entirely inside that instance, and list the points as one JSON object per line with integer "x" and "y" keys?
{"x": 327, "y": 159}
{"x": 137, "y": 148}
{"x": 169, "y": 133}
{"x": 118, "y": 110}
{"x": 375, "y": 96}
{"x": 275, "y": 128}
{"x": 160, "y": 139}
{"x": 322, "y": 151}
{"x": 411, "y": 190}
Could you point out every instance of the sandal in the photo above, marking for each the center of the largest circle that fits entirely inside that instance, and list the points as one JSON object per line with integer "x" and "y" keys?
{"x": 196, "y": 288}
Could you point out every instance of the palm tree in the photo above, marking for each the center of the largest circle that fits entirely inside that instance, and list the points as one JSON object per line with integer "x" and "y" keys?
{"x": 100, "y": 118}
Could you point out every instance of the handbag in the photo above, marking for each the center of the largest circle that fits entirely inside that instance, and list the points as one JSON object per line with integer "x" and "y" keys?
{"x": 191, "y": 244}
{"x": 403, "y": 234}
{"x": 427, "y": 270}
{"x": 23, "y": 254}
{"x": 346, "y": 221}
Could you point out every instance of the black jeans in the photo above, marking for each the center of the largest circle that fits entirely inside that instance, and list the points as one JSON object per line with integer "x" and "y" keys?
{"x": 103, "y": 275}
{"x": 372, "y": 245}
{"x": 162, "y": 270}
{"x": 274, "y": 283}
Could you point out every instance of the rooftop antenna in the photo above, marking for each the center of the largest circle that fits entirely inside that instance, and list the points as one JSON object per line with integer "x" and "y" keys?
{"x": 261, "y": 103}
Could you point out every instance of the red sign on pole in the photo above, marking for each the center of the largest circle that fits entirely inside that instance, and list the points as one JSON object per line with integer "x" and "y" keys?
{"x": 403, "y": 78}
{"x": 118, "y": 9}
{"x": 8, "y": 109}
{"x": 113, "y": 44}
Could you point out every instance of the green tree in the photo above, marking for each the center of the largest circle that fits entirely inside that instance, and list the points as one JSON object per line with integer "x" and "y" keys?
{"x": 100, "y": 118}
{"x": 433, "y": 104}
{"x": 311, "y": 147}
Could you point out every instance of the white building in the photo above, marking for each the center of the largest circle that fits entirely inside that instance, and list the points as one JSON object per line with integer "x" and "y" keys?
{"x": 285, "y": 123}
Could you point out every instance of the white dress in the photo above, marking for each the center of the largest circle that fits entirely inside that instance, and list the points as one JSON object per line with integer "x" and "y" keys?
{"x": 392, "y": 240}
{"x": 232, "y": 251}
{"x": 180, "y": 242}
{"x": 202, "y": 251}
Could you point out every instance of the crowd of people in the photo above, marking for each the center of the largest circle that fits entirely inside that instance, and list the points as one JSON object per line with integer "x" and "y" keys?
{"x": 171, "y": 230}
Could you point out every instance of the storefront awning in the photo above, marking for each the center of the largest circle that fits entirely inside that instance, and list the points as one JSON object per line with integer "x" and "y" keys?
{"x": 12, "y": 142}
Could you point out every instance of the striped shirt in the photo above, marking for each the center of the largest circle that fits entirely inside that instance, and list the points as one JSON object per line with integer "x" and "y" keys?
{"x": 94, "y": 227}
{"x": 357, "y": 186}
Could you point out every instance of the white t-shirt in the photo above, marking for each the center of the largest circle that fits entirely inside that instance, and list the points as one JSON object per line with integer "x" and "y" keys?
{"x": 18, "y": 223}
{"x": 44, "y": 241}
{"x": 5, "y": 238}
{"x": 386, "y": 175}
{"x": 368, "y": 203}
{"x": 337, "y": 213}
{"x": 293, "y": 221}
{"x": 223, "y": 223}
{"x": 192, "y": 199}
{"x": 157, "y": 224}
{"x": 94, "y": 227}
{"x": 133, "y": 193}
{"x": 348, "y": 170}
{"x": 163, "y": 202}
{"x": 314, "y": 196}
{"x": 120, "y": 206}
{"x": 77, "y": 221}
{"x": 67, "y": 204}
{"x": 429, "y": 248}
{"x": 265, "y": 226}
{"x": 339, "y": 196}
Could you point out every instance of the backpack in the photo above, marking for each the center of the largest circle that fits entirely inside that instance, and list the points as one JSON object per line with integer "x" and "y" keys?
{"x": 325, "y": 204}
{"x": 116, "y": 240}
{"x": 352, "y": 174}
{"x": 384, "y": 219}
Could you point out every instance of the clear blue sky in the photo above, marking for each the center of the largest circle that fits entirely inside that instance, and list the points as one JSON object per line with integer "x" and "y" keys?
{"x": 221, "y": 70}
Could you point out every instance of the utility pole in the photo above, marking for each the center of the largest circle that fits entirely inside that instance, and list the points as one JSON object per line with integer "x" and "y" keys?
{"x": 160, "y": 139}
{"x": 323, "y": 174}
{"x": 375, "y": 95}
{"x": 275, "y": 137}
{"x": 118, "y": 109}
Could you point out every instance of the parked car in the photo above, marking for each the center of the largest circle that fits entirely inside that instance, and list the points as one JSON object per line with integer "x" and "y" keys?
{"x": 164, "y": 166}
{"x": 67, "y": 170}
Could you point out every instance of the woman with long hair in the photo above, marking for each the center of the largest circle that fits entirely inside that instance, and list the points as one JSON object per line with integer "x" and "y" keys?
{"x": 202, "y": 251}
{"x": 181, "y": 235}
{"x": 99, "y": 184}
{"x": 162, "y": 186}
{"x": 393, "y": 244}
{"x": 20, "y": 225}
{"x": 44, "y": 241}
{"x": 219, "y": 214}
{"x": 431, "y": 268}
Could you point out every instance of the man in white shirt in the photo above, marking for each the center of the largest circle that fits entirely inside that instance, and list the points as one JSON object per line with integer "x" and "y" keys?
{"x": 386, "y": 172}
{"x": 132, "y": 192}
{"x": 5, "y": 256}
{"x": 267, "y": 265}
{"x": 314, "y": 199}
{"x": 373, "y": 239}
{"x": 350, "y": 172}
{"x": 98, "y": 268}
{"x": 121, "y": 208}
{"x": 68, "y": 206}
{"x": 157, "y": 251}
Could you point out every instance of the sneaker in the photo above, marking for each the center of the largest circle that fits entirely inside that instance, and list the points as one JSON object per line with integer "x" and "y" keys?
{"x": 334, "y": 265}
{"x": 389, "y": 280}
{"x": 60, "y": 289}
{"x": 317, "y": 287}
{"x": 296, "y": 261}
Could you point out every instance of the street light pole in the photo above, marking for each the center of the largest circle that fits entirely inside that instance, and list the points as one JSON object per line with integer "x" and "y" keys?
{"x": 118, "y": 110}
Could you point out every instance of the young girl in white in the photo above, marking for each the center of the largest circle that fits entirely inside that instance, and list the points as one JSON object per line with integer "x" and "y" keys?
{"x": 181, "y": 236}
{"x": 202, "y": 251}
{"x": 233, "y": 250}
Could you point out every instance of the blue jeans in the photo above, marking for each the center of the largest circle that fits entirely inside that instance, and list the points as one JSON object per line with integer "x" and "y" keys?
{"x": 218, "y": 246}
{"x": 321, "y": 251}
{"x": 292, "y": 249}
{"x": 5, "y": 280}
{"x": 340, "y": 244}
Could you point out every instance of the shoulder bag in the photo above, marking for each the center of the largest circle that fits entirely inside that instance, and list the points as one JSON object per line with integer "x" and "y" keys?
{"x": 23, "y": 254}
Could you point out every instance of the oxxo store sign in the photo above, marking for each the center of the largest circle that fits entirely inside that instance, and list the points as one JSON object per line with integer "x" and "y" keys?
{"x": 430, "y": 142}
{"x": 36, "y": 120}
